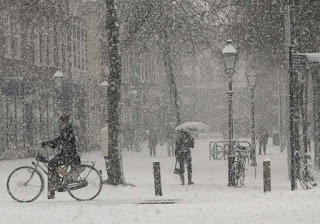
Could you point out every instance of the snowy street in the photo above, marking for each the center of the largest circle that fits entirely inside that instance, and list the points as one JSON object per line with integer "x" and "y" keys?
{"x": 209, "y": 200}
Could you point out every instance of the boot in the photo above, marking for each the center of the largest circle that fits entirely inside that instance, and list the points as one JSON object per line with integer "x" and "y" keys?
{"x": 182, "y": 179}
{"x": 190, "y": 179}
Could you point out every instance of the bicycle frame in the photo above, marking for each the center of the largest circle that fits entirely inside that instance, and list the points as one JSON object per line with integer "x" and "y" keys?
{"x": 241, "y": 157}
{"x": 38, "y": 165}
{"x": 225, "y": 145}
{"x": 45, "y": 170}
{"x": 300, "y": 162}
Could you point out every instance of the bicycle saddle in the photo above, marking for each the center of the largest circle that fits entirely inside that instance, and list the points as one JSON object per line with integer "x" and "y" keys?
{"x": 41, "y": 158}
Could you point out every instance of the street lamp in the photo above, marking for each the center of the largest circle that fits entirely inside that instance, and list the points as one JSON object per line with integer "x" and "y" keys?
{"x": 58, "y": 78}
{"x": 229, "y": 54}
{"x": 251, "y": 78}
{"x": 104, "y": 88}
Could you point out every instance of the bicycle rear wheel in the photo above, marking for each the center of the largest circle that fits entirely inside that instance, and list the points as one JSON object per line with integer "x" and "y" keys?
{"x": 302, "y": 182}
{"x": 88, "y": 184}
{"x": 25, "y": 184}
{"x": 312, "y": 177}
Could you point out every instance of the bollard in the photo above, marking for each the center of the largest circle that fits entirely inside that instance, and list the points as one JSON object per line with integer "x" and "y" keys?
{"x": 157, "y": 179}
{"x": 51, "y": 190}
{"x": 266, "y": 175}
{"x": 230, "y": 175}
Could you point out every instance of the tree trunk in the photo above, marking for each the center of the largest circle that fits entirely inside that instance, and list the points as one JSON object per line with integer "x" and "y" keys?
{"x": 115, "y": 175}
{"x": 305, "y": 121}
{"x": 316, "y": 118}
{"x": 170, "y": 75}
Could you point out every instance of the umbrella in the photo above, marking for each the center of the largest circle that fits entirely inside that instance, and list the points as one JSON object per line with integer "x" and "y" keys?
{"x": 192, "y": 126}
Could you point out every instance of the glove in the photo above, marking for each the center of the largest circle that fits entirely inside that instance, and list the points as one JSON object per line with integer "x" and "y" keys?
{"x": 107, "y": 162}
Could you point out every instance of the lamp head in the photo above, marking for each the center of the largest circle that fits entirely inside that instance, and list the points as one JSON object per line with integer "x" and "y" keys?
{"x": 229, "y": 54}
{"x": 104, "y": 84}
{"x": 58, "y": 75}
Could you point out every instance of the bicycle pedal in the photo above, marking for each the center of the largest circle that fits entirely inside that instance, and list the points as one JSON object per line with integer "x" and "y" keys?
{"x": 61, "y": 189}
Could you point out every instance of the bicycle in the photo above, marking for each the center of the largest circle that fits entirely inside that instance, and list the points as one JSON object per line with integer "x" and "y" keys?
{"x": 238, "y": 167}
{"x": 26, "y": 183}
{"x": 220, "y": 151}
{"x": 308, "y": 175}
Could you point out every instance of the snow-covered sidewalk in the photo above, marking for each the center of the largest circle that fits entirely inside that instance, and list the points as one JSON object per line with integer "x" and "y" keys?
{"x": 209, "y": 200}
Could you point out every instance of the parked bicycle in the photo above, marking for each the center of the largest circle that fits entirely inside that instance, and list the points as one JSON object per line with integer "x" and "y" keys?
{"x": 26, "y": 183}
{"x": 308, "y": 175}
{"x": 219, "y": 149}
{"x": 238, "y": 168}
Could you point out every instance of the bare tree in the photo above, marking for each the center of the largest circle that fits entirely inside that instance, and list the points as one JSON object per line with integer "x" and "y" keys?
{"x": 115, "y": 176}
{"x": 178, "y": 29}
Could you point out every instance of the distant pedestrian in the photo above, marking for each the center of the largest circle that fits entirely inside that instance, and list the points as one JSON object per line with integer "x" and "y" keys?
{"x": 152, "y": 142}
{"x": 129, "y": 137}
{"x": 120, "y": 140}
{"x": 263, "y": 140}
{"x": 136, "y": 141}
{"x": 184, "y": 143}
{"x": 170, "y": 138}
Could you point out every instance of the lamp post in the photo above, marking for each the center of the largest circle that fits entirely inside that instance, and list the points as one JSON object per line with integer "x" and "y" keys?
{"x": 58, "y": 77}
{"x": 104, "y": 138}
{"x": 104, "y": 88}
{"x": 251, "y": 78}
{"x": 229, "y": 54}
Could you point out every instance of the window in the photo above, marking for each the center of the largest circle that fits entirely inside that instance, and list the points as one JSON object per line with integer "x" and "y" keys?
{"x": 37, "y": 44}
{"x": 79, "y": 48}
{"x": 44, "y": 42}
{"x": 50, "y": 44}
{"x": 59, "y": 36}
{"x": 12, "y": 35}
{"x": 74, "y": 33}
{"x": 85, "y": 51}
{"x": 7, "y": 35}
{"x": 16, "y": 42}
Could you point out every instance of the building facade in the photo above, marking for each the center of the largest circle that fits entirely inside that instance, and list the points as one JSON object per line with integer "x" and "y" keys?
{"x": 39, "y": 38}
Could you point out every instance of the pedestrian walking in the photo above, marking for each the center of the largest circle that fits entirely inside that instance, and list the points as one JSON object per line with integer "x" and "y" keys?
{"x": 129, "y": 137}
{"x": 184, "y": 143}
{"x": 263, "y": 139}
{"x": 170, "y": 138}
{"x": 152, "y": 142}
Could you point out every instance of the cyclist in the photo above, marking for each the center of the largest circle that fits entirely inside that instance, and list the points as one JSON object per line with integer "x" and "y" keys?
{"x": 66, "y": 142}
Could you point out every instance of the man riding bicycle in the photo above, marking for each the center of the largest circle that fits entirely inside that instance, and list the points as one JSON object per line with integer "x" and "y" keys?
{"x": 68, "y": 155}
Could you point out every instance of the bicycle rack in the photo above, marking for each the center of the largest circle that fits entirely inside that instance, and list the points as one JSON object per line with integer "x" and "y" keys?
{"x": 224, "y": 144}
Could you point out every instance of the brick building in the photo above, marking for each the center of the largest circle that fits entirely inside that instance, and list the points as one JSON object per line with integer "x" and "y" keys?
{"x": 39, "y": 38}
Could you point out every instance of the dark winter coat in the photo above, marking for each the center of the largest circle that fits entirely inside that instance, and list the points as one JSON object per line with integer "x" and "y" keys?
{"x": 170, "y": 135}
{"x": 153, "y": 140}
{"x": 263, "y": 139}
{"x": 66, "y": 142}
{"x": 184, "y": 143}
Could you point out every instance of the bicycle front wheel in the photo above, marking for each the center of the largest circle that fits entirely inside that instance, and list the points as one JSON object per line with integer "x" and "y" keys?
{"x": 88, "y": 184}
{"x": 25, "y": 184}
{"x": 235, "y": 174}
{"x": 219, "y": 152}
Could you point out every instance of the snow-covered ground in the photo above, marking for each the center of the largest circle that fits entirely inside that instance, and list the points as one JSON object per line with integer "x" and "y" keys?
{"x": 209, "y": 200}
